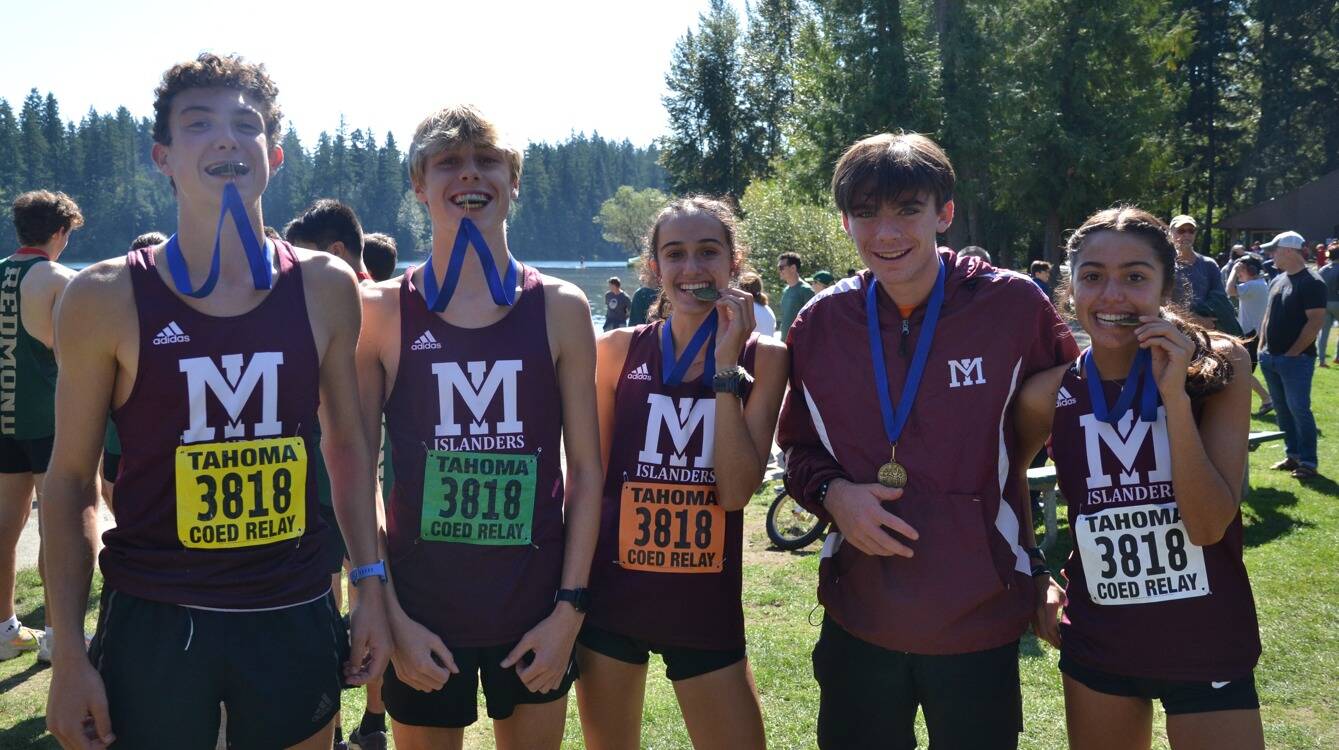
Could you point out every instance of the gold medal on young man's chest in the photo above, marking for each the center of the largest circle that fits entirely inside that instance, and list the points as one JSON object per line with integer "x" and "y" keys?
{"x": 893, "y": 474}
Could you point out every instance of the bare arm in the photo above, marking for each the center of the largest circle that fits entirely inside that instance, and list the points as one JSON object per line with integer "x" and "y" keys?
{"x": 87, "y": 331}
{"x": 611, "y": 352}
{"x": 1033, "y": 415}
{"x": 572, "y": 342}
{"x": 334, "y": 291}
{"x": 744, "y": 431}
{"x": 1209, "y": 459}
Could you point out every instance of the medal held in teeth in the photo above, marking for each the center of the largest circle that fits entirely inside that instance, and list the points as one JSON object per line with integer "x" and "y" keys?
{"x": 707, "y": 294}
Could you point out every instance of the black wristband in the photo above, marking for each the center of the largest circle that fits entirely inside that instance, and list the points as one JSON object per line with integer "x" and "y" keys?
{"x": 1040, "y": 570}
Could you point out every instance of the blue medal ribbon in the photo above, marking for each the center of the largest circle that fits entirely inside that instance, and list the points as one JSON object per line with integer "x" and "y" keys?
{"x": 895, "y": 421}
{"x": 1140, "y": 380}
{"x": 502, "y": 290}
{"x": 706, "y": 334}
{"x": 258, "y": 256}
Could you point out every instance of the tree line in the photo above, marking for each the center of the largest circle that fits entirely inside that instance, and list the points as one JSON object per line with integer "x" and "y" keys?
{"x": 103, "y": 162}
{"x": 1050, "y": 109}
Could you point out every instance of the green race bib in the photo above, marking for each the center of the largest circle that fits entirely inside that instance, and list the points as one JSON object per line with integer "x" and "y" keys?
{"x": 478, "y": 498}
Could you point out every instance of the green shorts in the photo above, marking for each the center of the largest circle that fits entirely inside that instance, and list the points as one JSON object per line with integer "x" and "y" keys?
{"x": 167, "y": 668}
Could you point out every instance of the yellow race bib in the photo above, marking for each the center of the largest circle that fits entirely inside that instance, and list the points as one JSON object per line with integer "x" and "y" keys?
{"x": 241, "y": 494}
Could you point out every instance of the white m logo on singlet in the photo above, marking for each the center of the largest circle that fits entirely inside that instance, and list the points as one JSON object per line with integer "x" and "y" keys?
{"x": 967, "y": 368}
{"x": 233, "y": 391}
{"x": 691, "y": 414}
{"x": 478, "y": 392}
{"x": 1126, "y": 447}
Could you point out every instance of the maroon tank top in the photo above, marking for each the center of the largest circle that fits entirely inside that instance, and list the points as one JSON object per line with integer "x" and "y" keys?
{"x": 215, "y": 500}
{"x": 667, "y": 566}
{"x": 475, "y": 518}
{"x": 1143, "y": 600}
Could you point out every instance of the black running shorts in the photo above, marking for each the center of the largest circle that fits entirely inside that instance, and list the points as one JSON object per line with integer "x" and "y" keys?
{"x": 680, "y": 663}
{"x": 1177, "y": 697}
{"x": 25, "y": 456}
{"x": 167, "y": 667}
{"x": 456, "y": 704}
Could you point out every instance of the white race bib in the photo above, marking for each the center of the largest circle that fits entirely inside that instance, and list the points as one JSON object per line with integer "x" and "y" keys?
{"x": 1139, "y": 554}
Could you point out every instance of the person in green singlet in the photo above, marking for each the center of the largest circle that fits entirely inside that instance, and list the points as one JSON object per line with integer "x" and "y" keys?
{"x": 30, "y": 285}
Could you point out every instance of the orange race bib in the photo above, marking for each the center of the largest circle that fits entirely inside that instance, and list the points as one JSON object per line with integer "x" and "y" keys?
{"x": 670, "y": 528}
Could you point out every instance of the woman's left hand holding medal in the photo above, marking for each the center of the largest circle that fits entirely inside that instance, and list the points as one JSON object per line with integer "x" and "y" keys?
{"x": 735, "y": 322}
{"x": 1172, "y": 351}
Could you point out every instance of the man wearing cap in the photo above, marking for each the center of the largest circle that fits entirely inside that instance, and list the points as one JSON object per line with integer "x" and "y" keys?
{"x": 822, "y": 280}
{"x": 1293, "y": 317}
{"x": 1196, "y": 275}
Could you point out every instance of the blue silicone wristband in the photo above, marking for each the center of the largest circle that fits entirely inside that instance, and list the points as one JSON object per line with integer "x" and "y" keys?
{"x": 377, "y": 569}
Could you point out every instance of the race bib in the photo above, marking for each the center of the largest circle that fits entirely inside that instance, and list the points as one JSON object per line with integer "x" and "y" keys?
{"x": 671, "y": 528}
{"x": 478, "y": 498}
{"x": 1139, "y": 555}
{"x": 241, "y": 494}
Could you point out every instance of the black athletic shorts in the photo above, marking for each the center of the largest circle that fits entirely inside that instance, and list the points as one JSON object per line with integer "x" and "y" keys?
{"x": 167, "y": 668}
{"x": 111, "y": 463}
{"x": 1252, "y": 345}
{"x": 868, "y": 695}
{"x": 456, "y": 704}
{"x": 680, "y": 663}
{"x": 1177, "y": 697}
{"x": 335, "y": 550}
{"x": 25, "y": 456}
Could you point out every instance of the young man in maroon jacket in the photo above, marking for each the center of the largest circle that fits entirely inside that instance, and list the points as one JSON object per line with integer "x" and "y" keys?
{"x": 908, "y": 448}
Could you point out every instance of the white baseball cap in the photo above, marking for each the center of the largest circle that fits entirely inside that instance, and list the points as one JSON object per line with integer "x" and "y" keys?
{"x": 1291, "y": 240}
{"x": 1182, "y": 219}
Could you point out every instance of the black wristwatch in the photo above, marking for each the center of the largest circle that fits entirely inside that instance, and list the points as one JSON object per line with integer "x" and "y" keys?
{"x": 578, "y": 598}
{"x": 732, "y": 380}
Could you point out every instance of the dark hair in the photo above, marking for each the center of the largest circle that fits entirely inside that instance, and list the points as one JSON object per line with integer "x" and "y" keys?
{"x": 717, "y": 208}
{"x": 615, "y": 282}
{"x": 379, "y": 255}
{"x": 271, "y": 232}
{"x": 752, "y": 283}
{"x": 792, "y": 259}
{"x": 1039, "y": 266}
{"x": 888, "y": 165}
{"x": 324, "y": 223}
{"x": 1252, "y": 264}
{"x": 213, "y": 71}
{"x": 148, "y": 239}
{"x": 40, "y": 214}
{"x": 1210, "y": 370}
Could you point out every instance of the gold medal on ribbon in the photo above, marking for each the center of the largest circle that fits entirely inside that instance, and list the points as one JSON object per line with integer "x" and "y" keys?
{"x": 893, "y": 474}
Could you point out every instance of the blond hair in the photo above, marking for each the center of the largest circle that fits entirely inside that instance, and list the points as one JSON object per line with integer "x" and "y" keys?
{"x": 453, "y": 126}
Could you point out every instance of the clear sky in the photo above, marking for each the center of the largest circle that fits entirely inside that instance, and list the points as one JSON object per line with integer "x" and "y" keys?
{"x": 543, "y": 69}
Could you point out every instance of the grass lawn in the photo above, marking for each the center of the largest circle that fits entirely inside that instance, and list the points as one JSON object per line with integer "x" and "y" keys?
{"x": 1292, "y": 537}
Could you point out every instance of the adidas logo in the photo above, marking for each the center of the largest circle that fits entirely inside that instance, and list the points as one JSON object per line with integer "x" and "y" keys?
{"x": 171, "y": 334}
{"x": 425, "y": 341}
{"x": 641, "y": 373}
{"x": 1064, "y": 399}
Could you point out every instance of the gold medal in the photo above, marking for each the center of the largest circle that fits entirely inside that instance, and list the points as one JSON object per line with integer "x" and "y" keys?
{"x": 892, "y": 474}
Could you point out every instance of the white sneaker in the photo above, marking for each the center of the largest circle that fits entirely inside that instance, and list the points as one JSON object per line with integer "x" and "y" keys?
{"x": 24, "y": 639}
{"x": 44, "y": 648}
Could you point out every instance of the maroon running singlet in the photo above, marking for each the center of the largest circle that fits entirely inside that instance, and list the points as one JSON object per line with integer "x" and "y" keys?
{"x": 1143, "y": 601}
{"x": 475, "y": 518}
{"x": 667, "y": 567}
{"x": 214, "y": 502}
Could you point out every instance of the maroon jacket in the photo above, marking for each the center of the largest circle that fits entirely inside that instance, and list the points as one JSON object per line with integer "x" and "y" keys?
{"x": 968, "y": 587}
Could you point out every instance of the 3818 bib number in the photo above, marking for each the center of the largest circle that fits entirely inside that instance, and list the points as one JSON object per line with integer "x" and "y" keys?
{"x": 1138, "y": 555}
{"x": 670, "y": 528}
{"x": 241, "y": 494}
{"x": 478, "y": 498}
